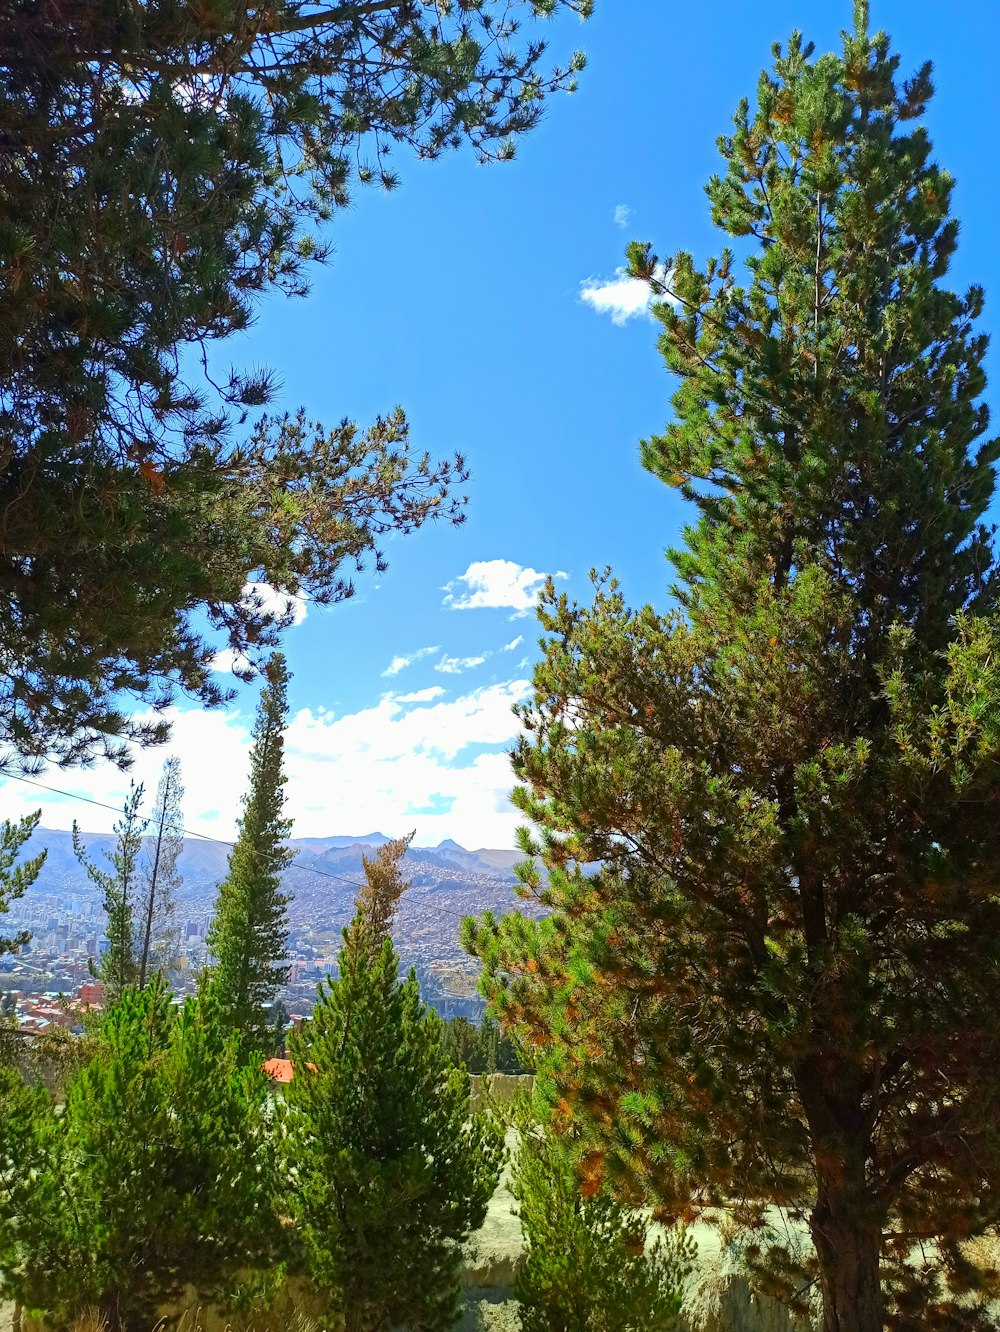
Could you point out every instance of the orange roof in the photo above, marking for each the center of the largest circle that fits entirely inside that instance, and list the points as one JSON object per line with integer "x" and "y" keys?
{"x": 282, "y": 1070}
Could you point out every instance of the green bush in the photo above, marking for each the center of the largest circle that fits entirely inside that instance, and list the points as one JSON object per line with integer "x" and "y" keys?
{"x": 155, "y": 1174}
{"x": 587, "y": 1267}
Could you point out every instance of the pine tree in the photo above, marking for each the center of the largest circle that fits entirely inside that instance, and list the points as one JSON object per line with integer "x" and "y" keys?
{"x": 388, "y": 1170}
{"x": 25, "y": 1112}
{"x": 586, "y": 1266}
{"x": 500, "y": 1054}
{"x": 460, "y": 1039}
{"x": 160, "y": 879}
{"x": 137, "y": 1187}
{"x": 118, "y": 966}
{"x": 164, "y": 167}
{"x": 776, "y": 983}
{"x": 16, "y": 879}
{"x": 10, "y": 1036}
{"x": 249, "y": 931}
{"x": 380, "y": 894}
{"x": 482, "y": 1049}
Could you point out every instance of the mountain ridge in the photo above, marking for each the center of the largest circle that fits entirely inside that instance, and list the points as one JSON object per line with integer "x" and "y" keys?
{"x": 204, "y": 860}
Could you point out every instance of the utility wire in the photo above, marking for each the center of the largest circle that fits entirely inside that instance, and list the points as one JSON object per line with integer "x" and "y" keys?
{"x": 204, "y": 837}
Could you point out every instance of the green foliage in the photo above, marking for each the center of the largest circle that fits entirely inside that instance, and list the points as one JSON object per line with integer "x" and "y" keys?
{"x": 155, "y": 1174}
{"x": 165, "y": 166}
{"x": 15, "y": 879}
{"x": 483, "y": 1048}
{"x": 587, "y": 1267}
{"x": 118, "y": 967}
{"x": 775, "y": 980}
{"x": 10, "y": 1038}
{"x": 248, "y": 934}
{"x": 160, "y": 879}
{"x": 51, "y": 1057}
{"x": 461, "y": 1043}
{"x": 26, "y": 1126}
{"x": 388, "y": 1171}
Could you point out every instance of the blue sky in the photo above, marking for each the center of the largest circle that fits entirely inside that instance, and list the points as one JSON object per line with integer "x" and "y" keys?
{"x": 463, "y": 297}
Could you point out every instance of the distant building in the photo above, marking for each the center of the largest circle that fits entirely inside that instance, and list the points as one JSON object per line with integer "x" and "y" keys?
{"x": 91, "y": 994}
{"x": 34, "y": 1024}
{"x": 46, "y": 1015}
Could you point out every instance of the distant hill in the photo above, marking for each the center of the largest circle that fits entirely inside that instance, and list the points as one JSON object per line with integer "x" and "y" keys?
{"x": 368, "y": 839}
{"x": 499, "y": 859}
{"x": 203, "y": 861}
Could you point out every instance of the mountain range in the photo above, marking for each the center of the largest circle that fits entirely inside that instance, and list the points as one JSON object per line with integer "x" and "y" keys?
{"x": 204, "y": 861}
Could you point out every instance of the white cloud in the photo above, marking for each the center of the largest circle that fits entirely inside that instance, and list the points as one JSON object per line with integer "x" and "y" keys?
{"x": 214, "y": 748}
{"x": 346, "y": 774}
{"x": 622, "y": 215}
{"x": 261, "y": 597}
{"x": 498, "y": 583}
{"x": 422, "y": 695}
{"x": 514, "y": 643}
{"x": 230, "y": 660}
{"x": 400, "y": 663}
{"x": 273, "y": 601}
{"x": 456, "y": 665}
{"x": 200, "y": 92}
{"x": 373, "y": 766}
{"x": 622, "y": 297}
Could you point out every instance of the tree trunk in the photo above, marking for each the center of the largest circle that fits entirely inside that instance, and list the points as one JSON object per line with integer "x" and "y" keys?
{"x": 151, "y": 904}
{"x": 109, "y": 1311}
{"x": 849, "y": 1249}
{"x": 354, "y": 1317}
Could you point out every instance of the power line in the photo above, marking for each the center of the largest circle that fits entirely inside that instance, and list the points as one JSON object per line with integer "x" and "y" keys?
{"x": 204, "y": 837}
{"x": 174, "y": 827}
{"x": 217, "y": 841}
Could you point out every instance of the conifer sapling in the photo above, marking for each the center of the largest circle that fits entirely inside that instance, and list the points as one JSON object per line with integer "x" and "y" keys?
{"x": 248, "y": 935}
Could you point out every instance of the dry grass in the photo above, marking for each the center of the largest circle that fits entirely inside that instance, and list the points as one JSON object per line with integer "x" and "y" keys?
{"x": 90, "y": 1320}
